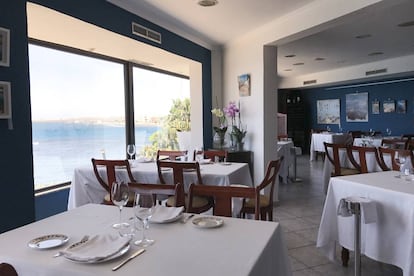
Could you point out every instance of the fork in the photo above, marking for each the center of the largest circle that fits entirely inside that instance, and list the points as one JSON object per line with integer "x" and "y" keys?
{"x": 83, "y": 240}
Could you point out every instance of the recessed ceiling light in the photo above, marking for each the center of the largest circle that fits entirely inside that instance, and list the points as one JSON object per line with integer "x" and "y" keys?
{"x": 319, "y": 58}
{"x": 406, "y": 24}
{"x": 375, "y": 54}
{"x": 299, "y": 63}
{"x": 207, "y": 3}
{"x": 290, "y": 56}
{"x": 363, "y": 36}
{"x": 287, "y": 70}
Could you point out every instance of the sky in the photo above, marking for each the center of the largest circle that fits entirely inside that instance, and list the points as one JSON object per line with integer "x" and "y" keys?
{"x": 66, "y": 86}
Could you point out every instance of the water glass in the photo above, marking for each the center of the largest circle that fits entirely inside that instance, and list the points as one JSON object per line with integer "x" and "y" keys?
{"x": 143, "y": 210}
{"x": 119, "y": 197}
{"x": 131, "y": 150}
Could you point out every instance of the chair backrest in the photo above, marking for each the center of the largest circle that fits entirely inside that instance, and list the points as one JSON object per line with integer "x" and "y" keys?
{"x": 170, "y": 154}
{"x": 270, "y": 178}
{"x": 212, "y": 154}
{"x": 407, "y": 136}
{"x": 110, "y": 166}
{"x": 395, "y": 143}
{"x": 334, "y": 153}
{"x": 355, "y": 133}
{"x": 222, "y": 196}
{"x": 362, "y": 154}
{"x": 177, "y": 190}
{"x": 391, "y": 154}
{"x": 178, "y": 169}
{"x": 410, "y": 144}
{"x": 7, "y": 269}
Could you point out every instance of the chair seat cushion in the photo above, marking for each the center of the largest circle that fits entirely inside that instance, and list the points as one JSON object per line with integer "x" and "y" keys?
{"x": 198, "y": 201}
{"x": 264, "y": 201}
{"x": 346, "y": 171}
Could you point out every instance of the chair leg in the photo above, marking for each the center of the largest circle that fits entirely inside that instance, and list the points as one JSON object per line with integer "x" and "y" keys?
{"x": 270, "y": 215}
{"x": 345, "y": 256}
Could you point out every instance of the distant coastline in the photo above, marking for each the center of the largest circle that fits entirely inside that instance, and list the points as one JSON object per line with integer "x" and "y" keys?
{"x": 107, "y": 121}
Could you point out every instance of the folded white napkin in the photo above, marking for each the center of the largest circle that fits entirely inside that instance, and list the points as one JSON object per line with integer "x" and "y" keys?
{"x": 205, "y": 161}
{"x": 142, "y": 159}
{"x": 368, "y": 208}
{"x": 163, "y": 214}
{"x": 97, "y": 248}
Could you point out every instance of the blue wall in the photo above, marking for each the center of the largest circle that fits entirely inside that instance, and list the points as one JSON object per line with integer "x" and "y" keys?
{"x": 17, "y": 202}
{"x": 396, "y": 89}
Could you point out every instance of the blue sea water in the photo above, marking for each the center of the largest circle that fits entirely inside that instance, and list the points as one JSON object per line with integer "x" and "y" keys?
{"x": 60, "y": 147}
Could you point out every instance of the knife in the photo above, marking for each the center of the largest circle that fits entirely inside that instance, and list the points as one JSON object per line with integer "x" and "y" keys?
{"x": 139, "y": 252}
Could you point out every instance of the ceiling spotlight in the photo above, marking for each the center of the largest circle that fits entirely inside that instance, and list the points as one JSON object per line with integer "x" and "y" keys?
{"x": 319, "y": 58}
{"x": 406, "y": 24}
{"x": 299, "y": 63}
{"x": 375, "y": 54}
{"x": 207, "y": 3}
{"x": 290, "y": 56}
{"x": 363, "y": 36}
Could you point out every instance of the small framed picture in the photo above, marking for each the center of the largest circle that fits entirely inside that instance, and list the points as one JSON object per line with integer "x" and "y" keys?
{"x": 388, "y": 106}
{"x": 375, "y": 107}
{"x": 4, "y": 47}
{"x": 401, "y": 106}
{"x": 244, "y": 85}
{"x": 5, "y": 100}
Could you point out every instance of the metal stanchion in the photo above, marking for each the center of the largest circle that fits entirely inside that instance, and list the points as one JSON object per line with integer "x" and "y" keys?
{"x": 295, "y": 151}
{"x": 355, "y": 209}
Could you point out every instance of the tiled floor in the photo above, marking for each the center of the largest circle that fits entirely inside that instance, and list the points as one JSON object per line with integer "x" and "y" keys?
{"x": 299, "y": 211}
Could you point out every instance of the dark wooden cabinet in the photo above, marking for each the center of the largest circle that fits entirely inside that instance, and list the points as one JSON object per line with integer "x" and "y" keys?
{"x": 242, "y": 157}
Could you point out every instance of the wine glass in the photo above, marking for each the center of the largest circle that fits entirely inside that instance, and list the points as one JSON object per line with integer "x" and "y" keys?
{"x": 199, "y": 154}
{"x": 400, "y": 160}
{"x": 131, "y": 150}
{"x": 388, "y": 131}
{"x": 119, "y": 197}
{"x": 143, "y": 210}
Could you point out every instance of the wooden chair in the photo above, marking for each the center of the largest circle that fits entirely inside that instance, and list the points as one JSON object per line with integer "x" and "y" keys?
{"x": 200, "y": 204}
{"x": 170, "y": 154}
{"x": 222, "y": 196}
{"x": 110, "y": 166}
{"x": 265, "y": 201}
{"x": 410, "y": 144}
{"x": 7, "y": 269}
{"x": 355, "y": 133}
{"x": 362, "y": 152}
{"x": 334, "y": 153}
{"x": 394, "y": 143}
{"x": 409, "y": 137}
{"x": 176, "y": 190}
{"x": 212, "y": 154}
{"x": 391, "y": 154}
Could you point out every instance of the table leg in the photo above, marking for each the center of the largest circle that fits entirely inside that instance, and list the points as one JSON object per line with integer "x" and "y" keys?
{"x": 345, "y": 256}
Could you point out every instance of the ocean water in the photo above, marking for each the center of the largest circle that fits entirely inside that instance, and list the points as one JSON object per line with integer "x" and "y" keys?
{"x": 60, "y": 147}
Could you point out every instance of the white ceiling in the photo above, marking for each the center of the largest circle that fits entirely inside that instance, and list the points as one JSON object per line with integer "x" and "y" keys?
{"x": 337, "y": 46}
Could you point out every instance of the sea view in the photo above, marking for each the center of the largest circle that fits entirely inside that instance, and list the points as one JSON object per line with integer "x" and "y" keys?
{"x": 59, "y": 147}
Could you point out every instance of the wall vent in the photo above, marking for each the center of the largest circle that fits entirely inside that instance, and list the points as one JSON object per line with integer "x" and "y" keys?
{"x": 373, "y": 72}
{"x": 309, "y": 82}
{"x": 149, "y": 34}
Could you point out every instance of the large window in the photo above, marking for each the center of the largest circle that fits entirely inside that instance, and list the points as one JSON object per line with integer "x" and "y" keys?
{"x": 78, "y": 112}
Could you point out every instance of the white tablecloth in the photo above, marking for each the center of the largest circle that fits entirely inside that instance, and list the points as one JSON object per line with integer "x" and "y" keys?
{"x": 390, "y": 239}
{"x": 85, "y": 188}
{"x": 283, "y": 149}
{"x": 318, "y": 139}
{"x": 239, "y": 247}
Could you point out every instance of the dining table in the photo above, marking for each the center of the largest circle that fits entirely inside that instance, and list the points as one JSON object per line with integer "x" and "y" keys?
{"x": 85, "y": 188}
{"x": 390, "y": 238}
{"x": 284, "y": 149}
{"x": 233, "y": 247}
{"x": 318, "y": 139}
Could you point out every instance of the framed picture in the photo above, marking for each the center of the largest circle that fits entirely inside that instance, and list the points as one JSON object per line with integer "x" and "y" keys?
{"x": 4, "y": 47}
{"x": 401, "y": 106}
{"x": 388, "y": 106}
{"x": 357, "y": 107}
{"x": 375, "y": 107}
{"x": 5, "y": 100}
{"x": 244, "y": 85}
{"x": 328, "y": 111}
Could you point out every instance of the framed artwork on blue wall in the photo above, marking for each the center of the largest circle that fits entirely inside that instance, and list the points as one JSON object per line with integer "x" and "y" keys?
{"x": 4, "y": 47}
{"x": 375, "y": 107}
{"x": 388, "y": 106}
{"x": 357, "y": 107}
{"x": 401, "y": 106}
{"x": 328, "y": 111}
{"x": 5, "y": 100}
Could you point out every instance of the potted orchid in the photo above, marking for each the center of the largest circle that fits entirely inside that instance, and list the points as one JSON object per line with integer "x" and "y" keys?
{"x": 222, "y": 128}
{"x": 237, "y": 132}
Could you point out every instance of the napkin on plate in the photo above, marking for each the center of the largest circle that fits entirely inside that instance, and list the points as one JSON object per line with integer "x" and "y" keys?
{"x": 163, "y": 214}
{"x": 368, "y": 208}
{"x": 97, "y": 248}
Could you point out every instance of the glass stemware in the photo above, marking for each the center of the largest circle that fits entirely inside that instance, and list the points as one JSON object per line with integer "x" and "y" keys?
{"x": 400, "y": 160}
{"x": 131, "y": 150}
{"x": 119, "y": 197}
{"x": 388, "y": 131}
{"x": 143, "y": 210}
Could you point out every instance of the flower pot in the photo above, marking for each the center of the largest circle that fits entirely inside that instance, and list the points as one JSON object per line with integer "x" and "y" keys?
{"x": 239, "y": 146}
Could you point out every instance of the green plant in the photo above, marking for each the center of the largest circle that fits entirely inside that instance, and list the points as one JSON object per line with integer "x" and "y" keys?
{"x": 179, "y": 117}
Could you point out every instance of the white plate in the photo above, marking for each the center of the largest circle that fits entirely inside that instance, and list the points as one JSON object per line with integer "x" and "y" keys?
{"x": 48, "y": 241}
{"x": 114, "y": 256}
{"x": 225, "y": 163}
{"x": 207, "y": 222}
{"x": 180, "y": 216}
